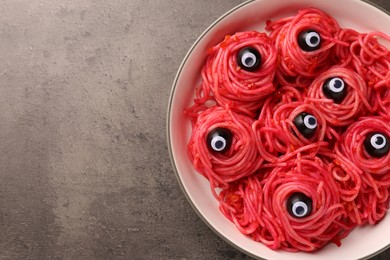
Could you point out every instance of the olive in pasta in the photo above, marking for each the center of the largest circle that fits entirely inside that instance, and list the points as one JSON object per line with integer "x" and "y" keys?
{"x": 219, "y": 140}
{"x": 335, "y": 88}
{"x": 299, "y": 205}
{"x": 249, "y": 59}
{"x": 377, "y": 144}
{"x": 306, "y": 124}
{"x": 309, "y": 40}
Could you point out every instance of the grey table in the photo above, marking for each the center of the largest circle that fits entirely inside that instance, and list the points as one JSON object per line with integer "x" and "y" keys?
{"x": 84, "y": 167}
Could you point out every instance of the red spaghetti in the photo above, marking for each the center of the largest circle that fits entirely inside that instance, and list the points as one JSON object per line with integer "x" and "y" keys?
{"x": 279, "y": 136}
{"x": 360, "y": 145}
{"x": 372, "y": 202}
{"x": 240, "y": 71}
{"x": 347, "y": 177}
{"x": 292, "y": 130}
{"x": 299, "y": 66}
{"x": 261, "y": 207}
{"x": 366, "y": 56}
{"x": 350, "y": 107}
{"x": 382, "y": 96}
{"x": 354, "y": 148}
{"x": 240, "y": 160}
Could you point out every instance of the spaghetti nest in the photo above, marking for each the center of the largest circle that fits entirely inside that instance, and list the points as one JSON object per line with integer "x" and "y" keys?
{"x": 357, "y": 146}
{"x": 240, "y": 160}
{"x": 228, "y": 83}
{"x": 353, "y": 105}
{"x": 297, "y": 66}
{"x": 278, "y": 137}
{"x": 371, "y": 60}
{"x": 260, "y": 205}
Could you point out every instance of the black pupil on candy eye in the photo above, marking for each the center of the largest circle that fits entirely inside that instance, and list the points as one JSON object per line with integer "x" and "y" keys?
{"x": 377, "y": 144}
{"x": 338, "y": 84}
{"x": 219, "y": 144}
{"x": 300, "y": 210}
{"x": 379, "y": 140}
{"x": 314, "y": 40}
{"x": 312, "y": 121}
{"x": 249, "y": 59}
{"x": 219, "y": 140}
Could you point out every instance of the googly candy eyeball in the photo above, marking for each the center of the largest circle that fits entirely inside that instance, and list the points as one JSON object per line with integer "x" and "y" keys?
{"x": 249, "y": 59}
{"x": 219, "y": 140}
{"x": 335, "y": 88}
{"x": 377, "y": 144}
{"x": 299, "y": 205}
{"x": 309, "y": 40}
{"x": 306, "y": 124}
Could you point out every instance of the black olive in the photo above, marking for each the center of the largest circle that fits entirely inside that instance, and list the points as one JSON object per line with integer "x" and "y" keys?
{"x": 306, "y": 124}
{"x": 249, "y": 59}
{"x": 335, "y": 88}
{"x": 219, "y": 140}
{"x": 377, "y": 144}
{"x": 299, "y": 205}
{"x": 309, "y": 40}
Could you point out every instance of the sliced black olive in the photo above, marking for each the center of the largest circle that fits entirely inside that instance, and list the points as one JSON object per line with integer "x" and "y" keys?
{"x": 377, "y": 144}
{"x": 335, "y": 88}
{"x": 219, "y": 140}
{"x": 309, "y": 40}
{"x": 249, "y": 59}
{"x": 299, "y": 205}
{"x": 306, "y": 124}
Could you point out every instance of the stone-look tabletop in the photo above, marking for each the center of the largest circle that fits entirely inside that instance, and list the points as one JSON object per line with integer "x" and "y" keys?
{"x": 84, "y": 165}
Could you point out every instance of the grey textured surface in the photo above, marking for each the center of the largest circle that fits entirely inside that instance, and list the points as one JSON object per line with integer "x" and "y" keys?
{"x": 84, "y": 167}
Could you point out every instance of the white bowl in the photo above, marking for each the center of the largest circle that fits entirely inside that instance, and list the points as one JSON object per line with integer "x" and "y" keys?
{"x": 363, "y": 242}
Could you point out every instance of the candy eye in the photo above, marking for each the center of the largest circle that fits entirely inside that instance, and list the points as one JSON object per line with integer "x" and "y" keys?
{"x": 306, "y": 124}
{"x": 377, "y": 144}
{"x": 219, "y": 140}
{"x": 335, "y": 88}
{"x": 249, "y": 59}
{"x": 309, "y": 40}
{"x": 299, "y": 205}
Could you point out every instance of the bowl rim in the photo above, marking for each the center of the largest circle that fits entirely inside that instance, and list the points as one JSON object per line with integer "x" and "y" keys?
{"x": 168, "y": 128}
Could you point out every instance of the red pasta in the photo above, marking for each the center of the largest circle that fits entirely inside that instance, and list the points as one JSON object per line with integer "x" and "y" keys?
{"x": 347, "y": 177}
{"x": 240, "y": 160}
{"x": 365, "y": 55}
{"x": 353, "y": 145}
{"x": 292, "y": 130}
{"x": 382, "y": 98}
{"x": 242, "y": 203}
{"x": 261, "y": 207}
{"x": 371, "y": 60}
{"x": 229, "y": 82}
{"x": 359, "y": 143}
{"x": 353, "y": 104}
{"x": 372, "y": 202}
{"x": 298, "y": 66}
{"x": 279, "y": 138}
